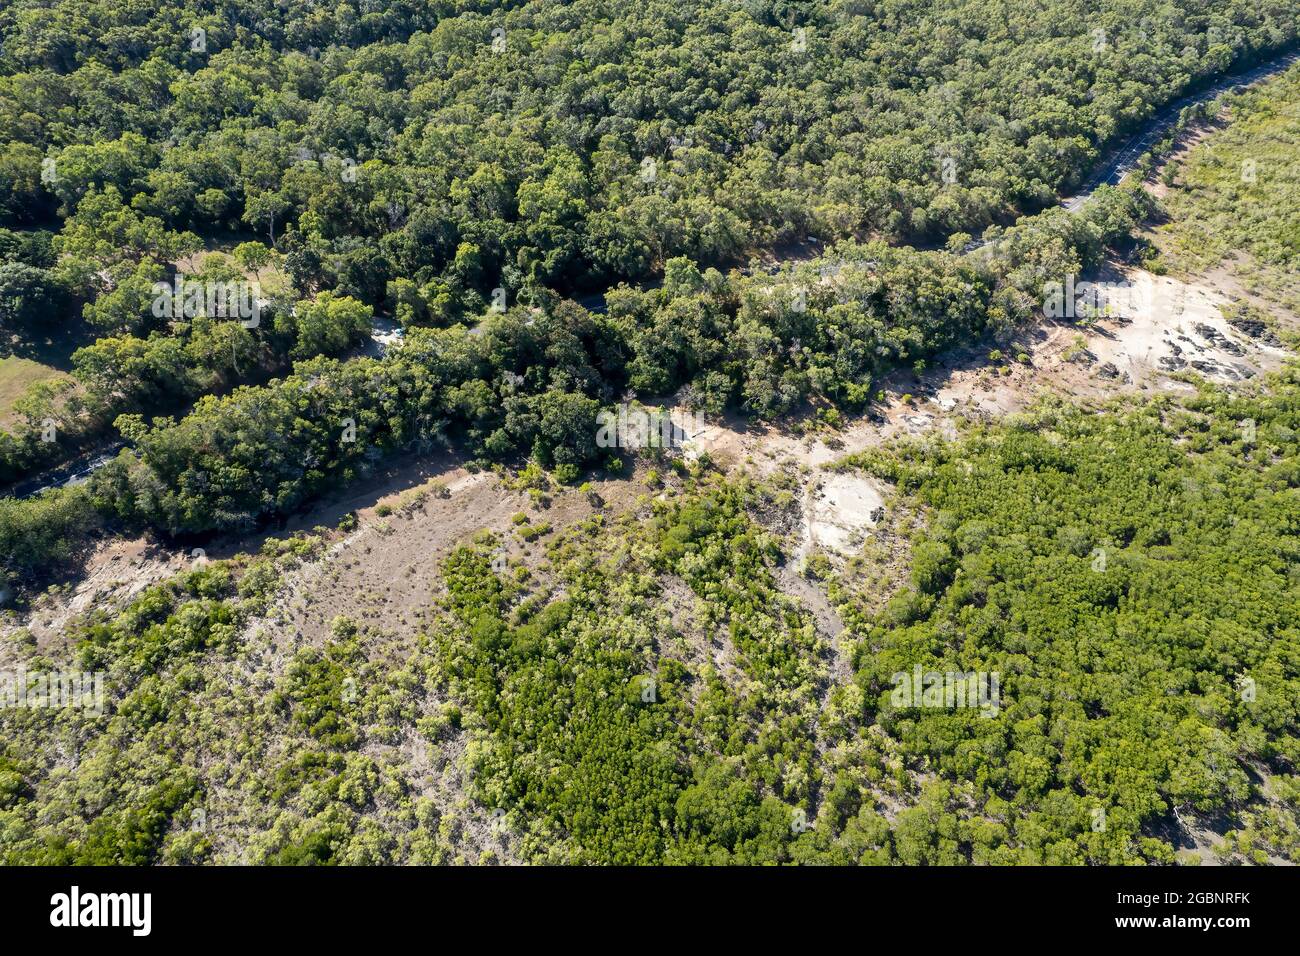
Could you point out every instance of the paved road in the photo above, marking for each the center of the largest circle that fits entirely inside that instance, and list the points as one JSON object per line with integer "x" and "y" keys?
{"x": 1122, "y": 160}
{"x": 72, "y": 473}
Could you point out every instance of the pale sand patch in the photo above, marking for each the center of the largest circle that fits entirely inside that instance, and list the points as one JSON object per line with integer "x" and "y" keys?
{"x": 841, "y": 507}
{"x": 1167, "y": 325}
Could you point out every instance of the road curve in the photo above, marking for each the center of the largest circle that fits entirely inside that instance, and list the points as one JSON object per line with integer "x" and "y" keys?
{"x": 1124, "y": 158}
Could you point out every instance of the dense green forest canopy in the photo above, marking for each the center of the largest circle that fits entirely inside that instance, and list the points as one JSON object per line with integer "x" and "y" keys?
{"x": 428, "y": 163}
{"x": 531, "y": 381}
{"x": 419, "y": 159}
{"x": 431, "y": 161}
{"x": 465, "y": 146}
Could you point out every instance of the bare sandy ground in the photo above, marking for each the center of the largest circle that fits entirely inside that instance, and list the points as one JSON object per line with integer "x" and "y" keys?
{"x": 1178, "y": 326}
{"x": 1157, "y": 330}
{"x": 386, "y": 572}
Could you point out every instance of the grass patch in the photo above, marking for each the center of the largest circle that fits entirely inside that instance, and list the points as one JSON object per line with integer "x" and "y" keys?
{"x": 16, "y": 376}
{"x": 1237, "y": 195}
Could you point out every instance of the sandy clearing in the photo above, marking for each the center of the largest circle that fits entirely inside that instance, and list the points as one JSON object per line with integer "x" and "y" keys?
{"x": 1170, "y": 326}
{"x": 386, "y": 572}
{"x": 841, "y": 507}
